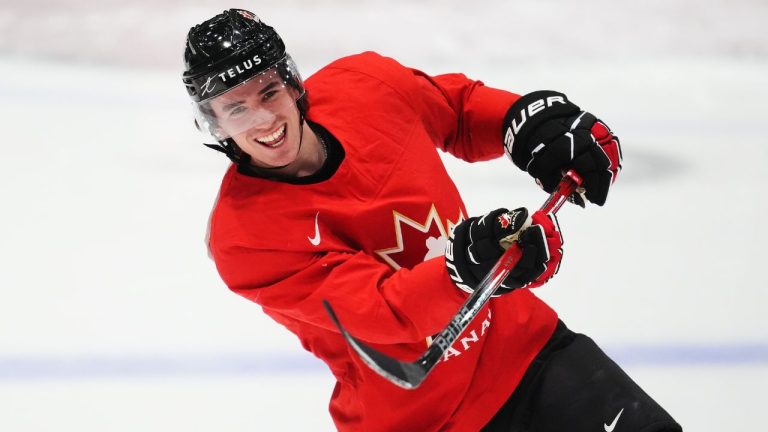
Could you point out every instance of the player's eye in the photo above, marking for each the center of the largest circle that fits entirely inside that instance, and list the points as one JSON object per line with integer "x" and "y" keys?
{"x": 269, "y": 95}
{"x": 237, "y": 111}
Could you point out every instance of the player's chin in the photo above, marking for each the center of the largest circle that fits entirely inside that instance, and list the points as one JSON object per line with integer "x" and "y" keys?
{"x": 283, "y": 156}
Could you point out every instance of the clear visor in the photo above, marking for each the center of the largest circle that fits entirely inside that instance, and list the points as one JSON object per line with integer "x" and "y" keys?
{"x": 257, "y": 102}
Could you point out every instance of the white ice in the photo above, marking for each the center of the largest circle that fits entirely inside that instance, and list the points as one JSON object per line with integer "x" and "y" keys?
{"x": 112, "y": 318}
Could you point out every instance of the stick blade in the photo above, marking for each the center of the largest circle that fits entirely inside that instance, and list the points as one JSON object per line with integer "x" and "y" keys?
{"x": 402, "y": 374}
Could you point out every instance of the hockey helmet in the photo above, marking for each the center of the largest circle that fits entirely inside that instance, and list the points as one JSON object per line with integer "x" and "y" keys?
{"x": 235, "y": 53}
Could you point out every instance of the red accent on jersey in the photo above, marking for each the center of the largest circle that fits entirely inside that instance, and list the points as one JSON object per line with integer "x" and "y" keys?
{"x": 417, "y": 239}
{"x": 390, "y": 120}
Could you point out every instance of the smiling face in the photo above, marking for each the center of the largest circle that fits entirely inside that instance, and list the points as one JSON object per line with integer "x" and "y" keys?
{"x": 263, "y": 119}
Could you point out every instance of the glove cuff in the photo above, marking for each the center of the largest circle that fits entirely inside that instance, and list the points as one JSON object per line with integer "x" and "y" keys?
{"x": 456, "y": 261}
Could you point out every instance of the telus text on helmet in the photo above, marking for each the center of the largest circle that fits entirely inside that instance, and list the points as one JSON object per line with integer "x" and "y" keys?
{"x": 237, "y": 70}
{"x": 231, "y": 73}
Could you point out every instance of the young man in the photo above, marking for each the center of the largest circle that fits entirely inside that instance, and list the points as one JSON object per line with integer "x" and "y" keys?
{"x": 337, "y": 192}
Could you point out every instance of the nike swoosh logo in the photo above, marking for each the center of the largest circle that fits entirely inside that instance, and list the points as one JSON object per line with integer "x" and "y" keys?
{"x": 613, "y": 424}
{"x": 316, "y": 239}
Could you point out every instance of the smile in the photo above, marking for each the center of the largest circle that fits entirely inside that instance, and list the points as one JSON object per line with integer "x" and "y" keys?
{"x": 274, "y": 139}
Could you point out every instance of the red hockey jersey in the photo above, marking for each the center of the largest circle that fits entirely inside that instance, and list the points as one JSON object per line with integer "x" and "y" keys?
{"x": 370, "y": 240}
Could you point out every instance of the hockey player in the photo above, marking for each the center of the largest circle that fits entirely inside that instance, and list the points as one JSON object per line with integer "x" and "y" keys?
{"x": 336, "y": 191}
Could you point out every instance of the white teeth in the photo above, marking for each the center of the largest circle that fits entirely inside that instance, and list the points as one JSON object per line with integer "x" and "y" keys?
{"x": 268, "y": 139}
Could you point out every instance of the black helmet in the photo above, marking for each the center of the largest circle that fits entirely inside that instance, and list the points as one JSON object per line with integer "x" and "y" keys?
{"x": 228, "y": 50}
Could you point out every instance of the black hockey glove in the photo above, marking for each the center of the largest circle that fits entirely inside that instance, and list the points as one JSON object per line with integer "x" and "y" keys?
{"x": 545, "y": 134}
{"x": 477, "y": 243}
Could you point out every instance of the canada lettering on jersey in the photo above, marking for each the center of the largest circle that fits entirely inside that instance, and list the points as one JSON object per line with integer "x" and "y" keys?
{"x": 469, "y": 340}
{"x": 464, "y": 344}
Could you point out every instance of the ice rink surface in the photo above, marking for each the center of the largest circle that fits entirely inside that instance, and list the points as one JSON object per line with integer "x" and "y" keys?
{"x": 112, "y": 317}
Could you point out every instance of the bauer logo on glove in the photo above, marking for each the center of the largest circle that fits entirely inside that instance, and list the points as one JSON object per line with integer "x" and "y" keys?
{"x": 524, "y": 114}
{"x": 545, "y": 135}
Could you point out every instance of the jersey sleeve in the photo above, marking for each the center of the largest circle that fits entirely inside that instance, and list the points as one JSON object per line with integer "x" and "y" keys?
{"x": 463, "y": 116}
{"x": 375, "y": 302}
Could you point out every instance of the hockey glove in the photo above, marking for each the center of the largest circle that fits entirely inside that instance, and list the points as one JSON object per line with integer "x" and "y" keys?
{"x": 545, "y": 134}
{"x": 477, "y": 243}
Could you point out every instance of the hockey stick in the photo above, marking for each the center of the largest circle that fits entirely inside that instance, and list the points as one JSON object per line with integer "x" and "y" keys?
{"x": 409, "y": 375}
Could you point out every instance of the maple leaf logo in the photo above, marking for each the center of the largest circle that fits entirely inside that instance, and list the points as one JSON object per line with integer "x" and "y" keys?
{"x": 417, "y": 241}
{"x": 505, "y": 220}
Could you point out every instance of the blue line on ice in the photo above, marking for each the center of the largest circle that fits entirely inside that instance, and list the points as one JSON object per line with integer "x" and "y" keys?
{"x": 25, "y": 368}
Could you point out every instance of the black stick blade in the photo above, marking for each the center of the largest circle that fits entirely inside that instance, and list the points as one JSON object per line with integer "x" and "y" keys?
{"x": 402, "y": 374}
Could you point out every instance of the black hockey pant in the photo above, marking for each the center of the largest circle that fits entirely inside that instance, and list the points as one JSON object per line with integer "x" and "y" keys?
{"x": 573, "y": 386}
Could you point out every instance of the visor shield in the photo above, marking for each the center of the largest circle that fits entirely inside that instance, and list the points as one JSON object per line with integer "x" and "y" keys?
{"x": 253, "y": 103}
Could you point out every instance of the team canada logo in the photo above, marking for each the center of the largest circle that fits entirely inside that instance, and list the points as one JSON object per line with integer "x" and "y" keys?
{"x": 512, "y": 219}
{"x": 248, "y": 15}
{"x": 417, "y": 241}
{"x": 505, "y": 220}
